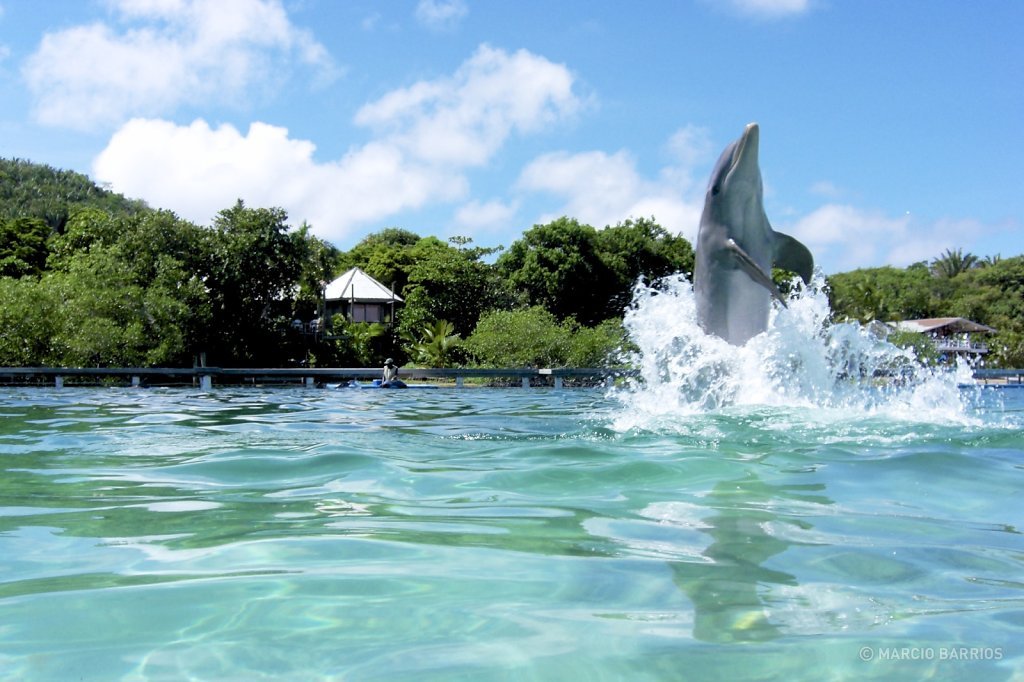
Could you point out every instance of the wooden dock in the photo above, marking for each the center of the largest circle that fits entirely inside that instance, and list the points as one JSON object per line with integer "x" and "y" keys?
{"x": 206, "y": 377}
{"x": 999, "y": 377}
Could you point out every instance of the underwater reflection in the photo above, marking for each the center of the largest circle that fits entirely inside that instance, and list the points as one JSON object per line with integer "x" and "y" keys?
{"x": 731, "y": 591}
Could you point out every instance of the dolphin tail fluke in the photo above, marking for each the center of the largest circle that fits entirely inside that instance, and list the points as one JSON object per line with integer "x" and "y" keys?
{"x": 753, "y": 270}
{"x": 790, "y": 254}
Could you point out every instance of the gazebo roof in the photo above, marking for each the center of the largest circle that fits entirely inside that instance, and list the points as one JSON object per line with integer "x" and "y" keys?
{"x": 356, "y": 285}
{"x": 945, "y": 325}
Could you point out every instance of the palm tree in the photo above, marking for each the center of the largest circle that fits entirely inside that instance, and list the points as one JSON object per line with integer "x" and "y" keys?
{"x": 436, "y": 345}
{"x": 864, "y": 302}
{"x": 951, "y": 263}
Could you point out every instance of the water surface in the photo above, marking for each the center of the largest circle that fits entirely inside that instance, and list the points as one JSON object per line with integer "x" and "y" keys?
{"x": 505, "y": 534}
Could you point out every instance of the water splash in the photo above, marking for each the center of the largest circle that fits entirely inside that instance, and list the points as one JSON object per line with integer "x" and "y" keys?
{"x": 801, "y": 361}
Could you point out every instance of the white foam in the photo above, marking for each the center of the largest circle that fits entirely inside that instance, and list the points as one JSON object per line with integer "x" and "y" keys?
{"x": 801, "y": 361}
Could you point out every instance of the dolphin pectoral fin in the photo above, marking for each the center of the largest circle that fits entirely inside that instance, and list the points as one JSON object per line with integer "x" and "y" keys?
{"x": 753, "y": 270}
{"x": 790, "y": 254}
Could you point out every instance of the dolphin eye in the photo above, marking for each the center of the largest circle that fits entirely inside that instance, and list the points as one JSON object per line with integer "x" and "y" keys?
{"x": 715, "y": 190}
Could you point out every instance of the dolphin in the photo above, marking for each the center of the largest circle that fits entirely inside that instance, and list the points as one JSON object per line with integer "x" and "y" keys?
{"x": 737, "y": 248}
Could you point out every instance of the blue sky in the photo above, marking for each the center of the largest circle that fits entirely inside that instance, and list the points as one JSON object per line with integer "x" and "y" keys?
{"x": 890, "y": 131}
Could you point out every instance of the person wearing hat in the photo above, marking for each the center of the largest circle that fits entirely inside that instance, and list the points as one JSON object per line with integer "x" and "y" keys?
{"x": 390, "y": 378}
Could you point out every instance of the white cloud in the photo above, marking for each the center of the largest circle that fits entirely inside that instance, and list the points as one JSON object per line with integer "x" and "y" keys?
{"x": 843, "y": 237}
{"x": 165, "y": 54}
{"x": 601, "y": 189}
{"x": 933, "y": 239}
{"x": 827, "y": 189}
{"x": 691, "y": 145}
{"x": 689, "y": 151}
{"x": 478, "y": 217}
{"x": 441, "y": 14}
{"x": 465, "y": 118}
{"x": 595, "y": 184}
{"x": 770, "y": 8}
{"x": 197, "y": 170}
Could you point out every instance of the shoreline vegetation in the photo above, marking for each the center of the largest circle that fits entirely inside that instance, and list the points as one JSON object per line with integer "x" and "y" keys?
{"x": 89, "y": 278}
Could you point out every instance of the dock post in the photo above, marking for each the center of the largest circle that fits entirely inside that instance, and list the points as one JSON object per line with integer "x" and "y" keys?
{"x": 205, "y": 382}
{"x": 58, "y": 381}
{"x": 558, "y": 382}
{"x": 458, "y": 382}
{"x": 526, "y": 382}
{"x": 310, "y": 382}
{"x": 136, "y": 381}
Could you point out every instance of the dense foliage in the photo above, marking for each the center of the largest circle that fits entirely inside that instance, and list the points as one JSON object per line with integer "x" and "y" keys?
{"x": 576, "y": 271}
{"x": 35, "y": 190}
{"x": 988, "y": 291}
{"x": 89, "y": 278}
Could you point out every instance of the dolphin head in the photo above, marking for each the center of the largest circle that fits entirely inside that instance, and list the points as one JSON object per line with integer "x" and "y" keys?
{"x": 735, "y": 192}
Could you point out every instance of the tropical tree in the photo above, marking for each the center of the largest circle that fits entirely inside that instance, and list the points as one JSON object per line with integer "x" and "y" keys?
{"x": 600, "y": 346}
{"x": 105, "y": 318}
{"x": 640, "y": 249}
{"x": 531, "y": 337}
{"x": 319, "y": 261}
{"x": 993, "y": 295}
{"x": 28, "y": 323}
{"x": 23, "y": 248}
{"x": 953, "y": 262}
{"x": 385, "y": 256}
{"x": 558, "y": 266}
{"x": 1007, "y": 349}
{"x": 254, "y": 270}
{"x": 361, "y": 344}
{"x": 33, "y": 190}
{"x": 448, "y": 283}
{"x": 886, "y": 294}
{"x": 437, "y": 346}
{"x": 922, "y": 346}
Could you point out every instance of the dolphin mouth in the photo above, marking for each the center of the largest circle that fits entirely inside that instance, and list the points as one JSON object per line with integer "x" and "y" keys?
{"x": 745, "y": 154}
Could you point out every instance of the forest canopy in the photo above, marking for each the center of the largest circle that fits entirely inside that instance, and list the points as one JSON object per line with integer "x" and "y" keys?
{"x": 90, "y": 278}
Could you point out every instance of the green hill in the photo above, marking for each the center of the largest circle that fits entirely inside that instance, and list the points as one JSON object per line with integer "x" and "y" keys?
{"x": 33, "y": 190}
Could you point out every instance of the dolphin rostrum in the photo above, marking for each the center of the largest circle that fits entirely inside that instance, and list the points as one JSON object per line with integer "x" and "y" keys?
{"x": 737, "y": 247}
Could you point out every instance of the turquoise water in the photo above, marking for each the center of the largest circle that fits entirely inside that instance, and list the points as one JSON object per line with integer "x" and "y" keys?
{"x": 507, "y": 534}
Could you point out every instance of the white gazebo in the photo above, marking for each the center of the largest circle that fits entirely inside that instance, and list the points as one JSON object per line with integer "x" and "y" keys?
{"x": 360, "y": 298}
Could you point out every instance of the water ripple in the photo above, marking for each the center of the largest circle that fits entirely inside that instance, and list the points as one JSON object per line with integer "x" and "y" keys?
{"x": 242, "y": 534}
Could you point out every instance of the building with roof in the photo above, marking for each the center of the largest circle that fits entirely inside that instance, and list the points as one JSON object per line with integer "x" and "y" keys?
{"x": 952, "y": 336}
{"x": 360, "y": 298}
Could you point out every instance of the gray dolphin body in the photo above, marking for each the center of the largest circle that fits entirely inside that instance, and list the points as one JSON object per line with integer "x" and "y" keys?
{"x": 737, "y": 248}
